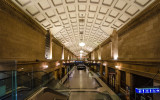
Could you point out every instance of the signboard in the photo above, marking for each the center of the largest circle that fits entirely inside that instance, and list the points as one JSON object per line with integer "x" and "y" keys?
{"x": 147, "y": 90}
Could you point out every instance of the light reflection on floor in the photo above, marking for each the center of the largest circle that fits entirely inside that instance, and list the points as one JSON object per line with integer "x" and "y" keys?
{"x": 87, "y": 96}
{"x": 82, "y": 79}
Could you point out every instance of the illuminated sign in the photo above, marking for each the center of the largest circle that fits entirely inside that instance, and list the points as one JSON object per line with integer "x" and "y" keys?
{"x": 147, "y": 90}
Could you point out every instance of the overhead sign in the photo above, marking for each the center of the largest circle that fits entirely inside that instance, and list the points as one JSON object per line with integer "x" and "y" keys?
{"x": 147, "y": 90}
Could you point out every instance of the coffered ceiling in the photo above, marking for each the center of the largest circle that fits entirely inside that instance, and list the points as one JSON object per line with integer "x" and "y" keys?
{"x": 88, "y": 21}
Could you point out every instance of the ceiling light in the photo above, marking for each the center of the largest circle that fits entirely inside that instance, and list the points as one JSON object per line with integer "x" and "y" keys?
{"x": 82, "y": 44}
{"x": 81, "y": 51}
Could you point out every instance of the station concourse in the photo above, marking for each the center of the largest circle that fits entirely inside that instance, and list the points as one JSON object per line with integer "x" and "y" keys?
{"x": 79, "y": 49}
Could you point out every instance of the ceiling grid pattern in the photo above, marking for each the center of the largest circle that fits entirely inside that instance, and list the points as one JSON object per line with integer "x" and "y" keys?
{"x": 74, "y": 21}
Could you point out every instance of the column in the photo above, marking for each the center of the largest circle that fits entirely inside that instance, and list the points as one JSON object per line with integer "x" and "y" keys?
{"x": 60, "y": 69}
{"x": 114, "y": 45}
{"x": 65, "y": 70}
{"x": 106, "y": 73}
{"x": 95, "y": 68}
{"x": 62, "y": 53}
{"x": 101, "y": 69}
{"x": 55, "y": 74}
{"x": 117, "y": 83}
{"x": 128, "y": 85}
{"x": 99, "y": 53}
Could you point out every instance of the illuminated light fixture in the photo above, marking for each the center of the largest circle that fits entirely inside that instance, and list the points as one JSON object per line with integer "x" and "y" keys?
{"x": 45, "y": 66}
{"x": 104, "y": 64}
{"x": 115, "y": 57}
{"x": 82, "y": 44}
{"x": 81, "y": 51}
{"x": 117, "y": 67}
{"x": 57, "y": 64}
{"x": 99, "y": 58}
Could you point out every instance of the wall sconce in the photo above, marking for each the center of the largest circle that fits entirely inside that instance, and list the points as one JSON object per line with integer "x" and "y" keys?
{"x": 45, "y": 66}
{"x": 57, "y": 64}
{"x": 118, "y": 67}
{"x": 115, "y": 57}
{"x": 104, "y": 64}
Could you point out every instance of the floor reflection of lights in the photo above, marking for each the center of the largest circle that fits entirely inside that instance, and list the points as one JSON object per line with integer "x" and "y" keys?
{"x": 81, "y": 80}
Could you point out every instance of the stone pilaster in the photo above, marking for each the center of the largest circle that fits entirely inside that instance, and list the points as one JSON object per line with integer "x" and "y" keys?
{"x": 129, "y": 85}
{"x": 101, "y": 69}
{"x": 117, "y": 83}
{"x": 106, "y": 73}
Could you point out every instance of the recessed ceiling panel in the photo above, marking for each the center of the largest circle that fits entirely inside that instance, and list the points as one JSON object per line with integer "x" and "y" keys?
{"x": 120, "y": 4}
{"x": 57, "y": 2}
{"x": 32, "y": 10}
{"x": 71, "y": 8}
{"x": 89, "y": 21}
{"x": 44, "y": 4}
{"x": 40, "y": 17}
{"x": 50, "y": 13}
{"x": 23, "y": 2}
{"x": 132, "y": 10}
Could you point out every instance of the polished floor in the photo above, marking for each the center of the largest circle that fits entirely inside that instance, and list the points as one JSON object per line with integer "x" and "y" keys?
{"x": 83, "y": 86}
{"x": 88, "y": 96}
{"x": 81, "y": 79}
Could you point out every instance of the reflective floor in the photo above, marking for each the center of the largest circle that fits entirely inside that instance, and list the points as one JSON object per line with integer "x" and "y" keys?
{"x": 84, "y": 86}
{"x": 88, "y": 96}
{"x": 81, "y": 79}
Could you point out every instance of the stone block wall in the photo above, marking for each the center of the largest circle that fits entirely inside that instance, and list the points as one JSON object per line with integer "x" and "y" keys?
{"x": 106, "y": 52}
{"x": 65, "y": 54}
{"x": 18, "y": 39}
{"x": 141, "y": 42}
{"x": 56, "y": 51}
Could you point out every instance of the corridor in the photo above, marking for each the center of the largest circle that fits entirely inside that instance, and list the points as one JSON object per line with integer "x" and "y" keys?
{"x": 42, "y": 42}
{"x": 83, "y": 85}
{"x": 81, "y": 79}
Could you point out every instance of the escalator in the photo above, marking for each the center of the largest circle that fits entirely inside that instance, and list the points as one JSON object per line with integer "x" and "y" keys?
{"x": 26, "y": 84}
{"x": 47, "y": 94}
{"x": 19, "y": 85}
{"x": 75, "y": 85}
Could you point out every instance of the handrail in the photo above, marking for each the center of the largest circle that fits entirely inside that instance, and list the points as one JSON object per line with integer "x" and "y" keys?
{"x": 55, "y": 92}
{"x": 9, "y": 93}
{"x": 44, "y": 90}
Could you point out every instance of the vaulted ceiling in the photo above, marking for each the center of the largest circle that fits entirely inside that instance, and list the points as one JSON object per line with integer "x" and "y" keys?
{"x": 88, "y": 21}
